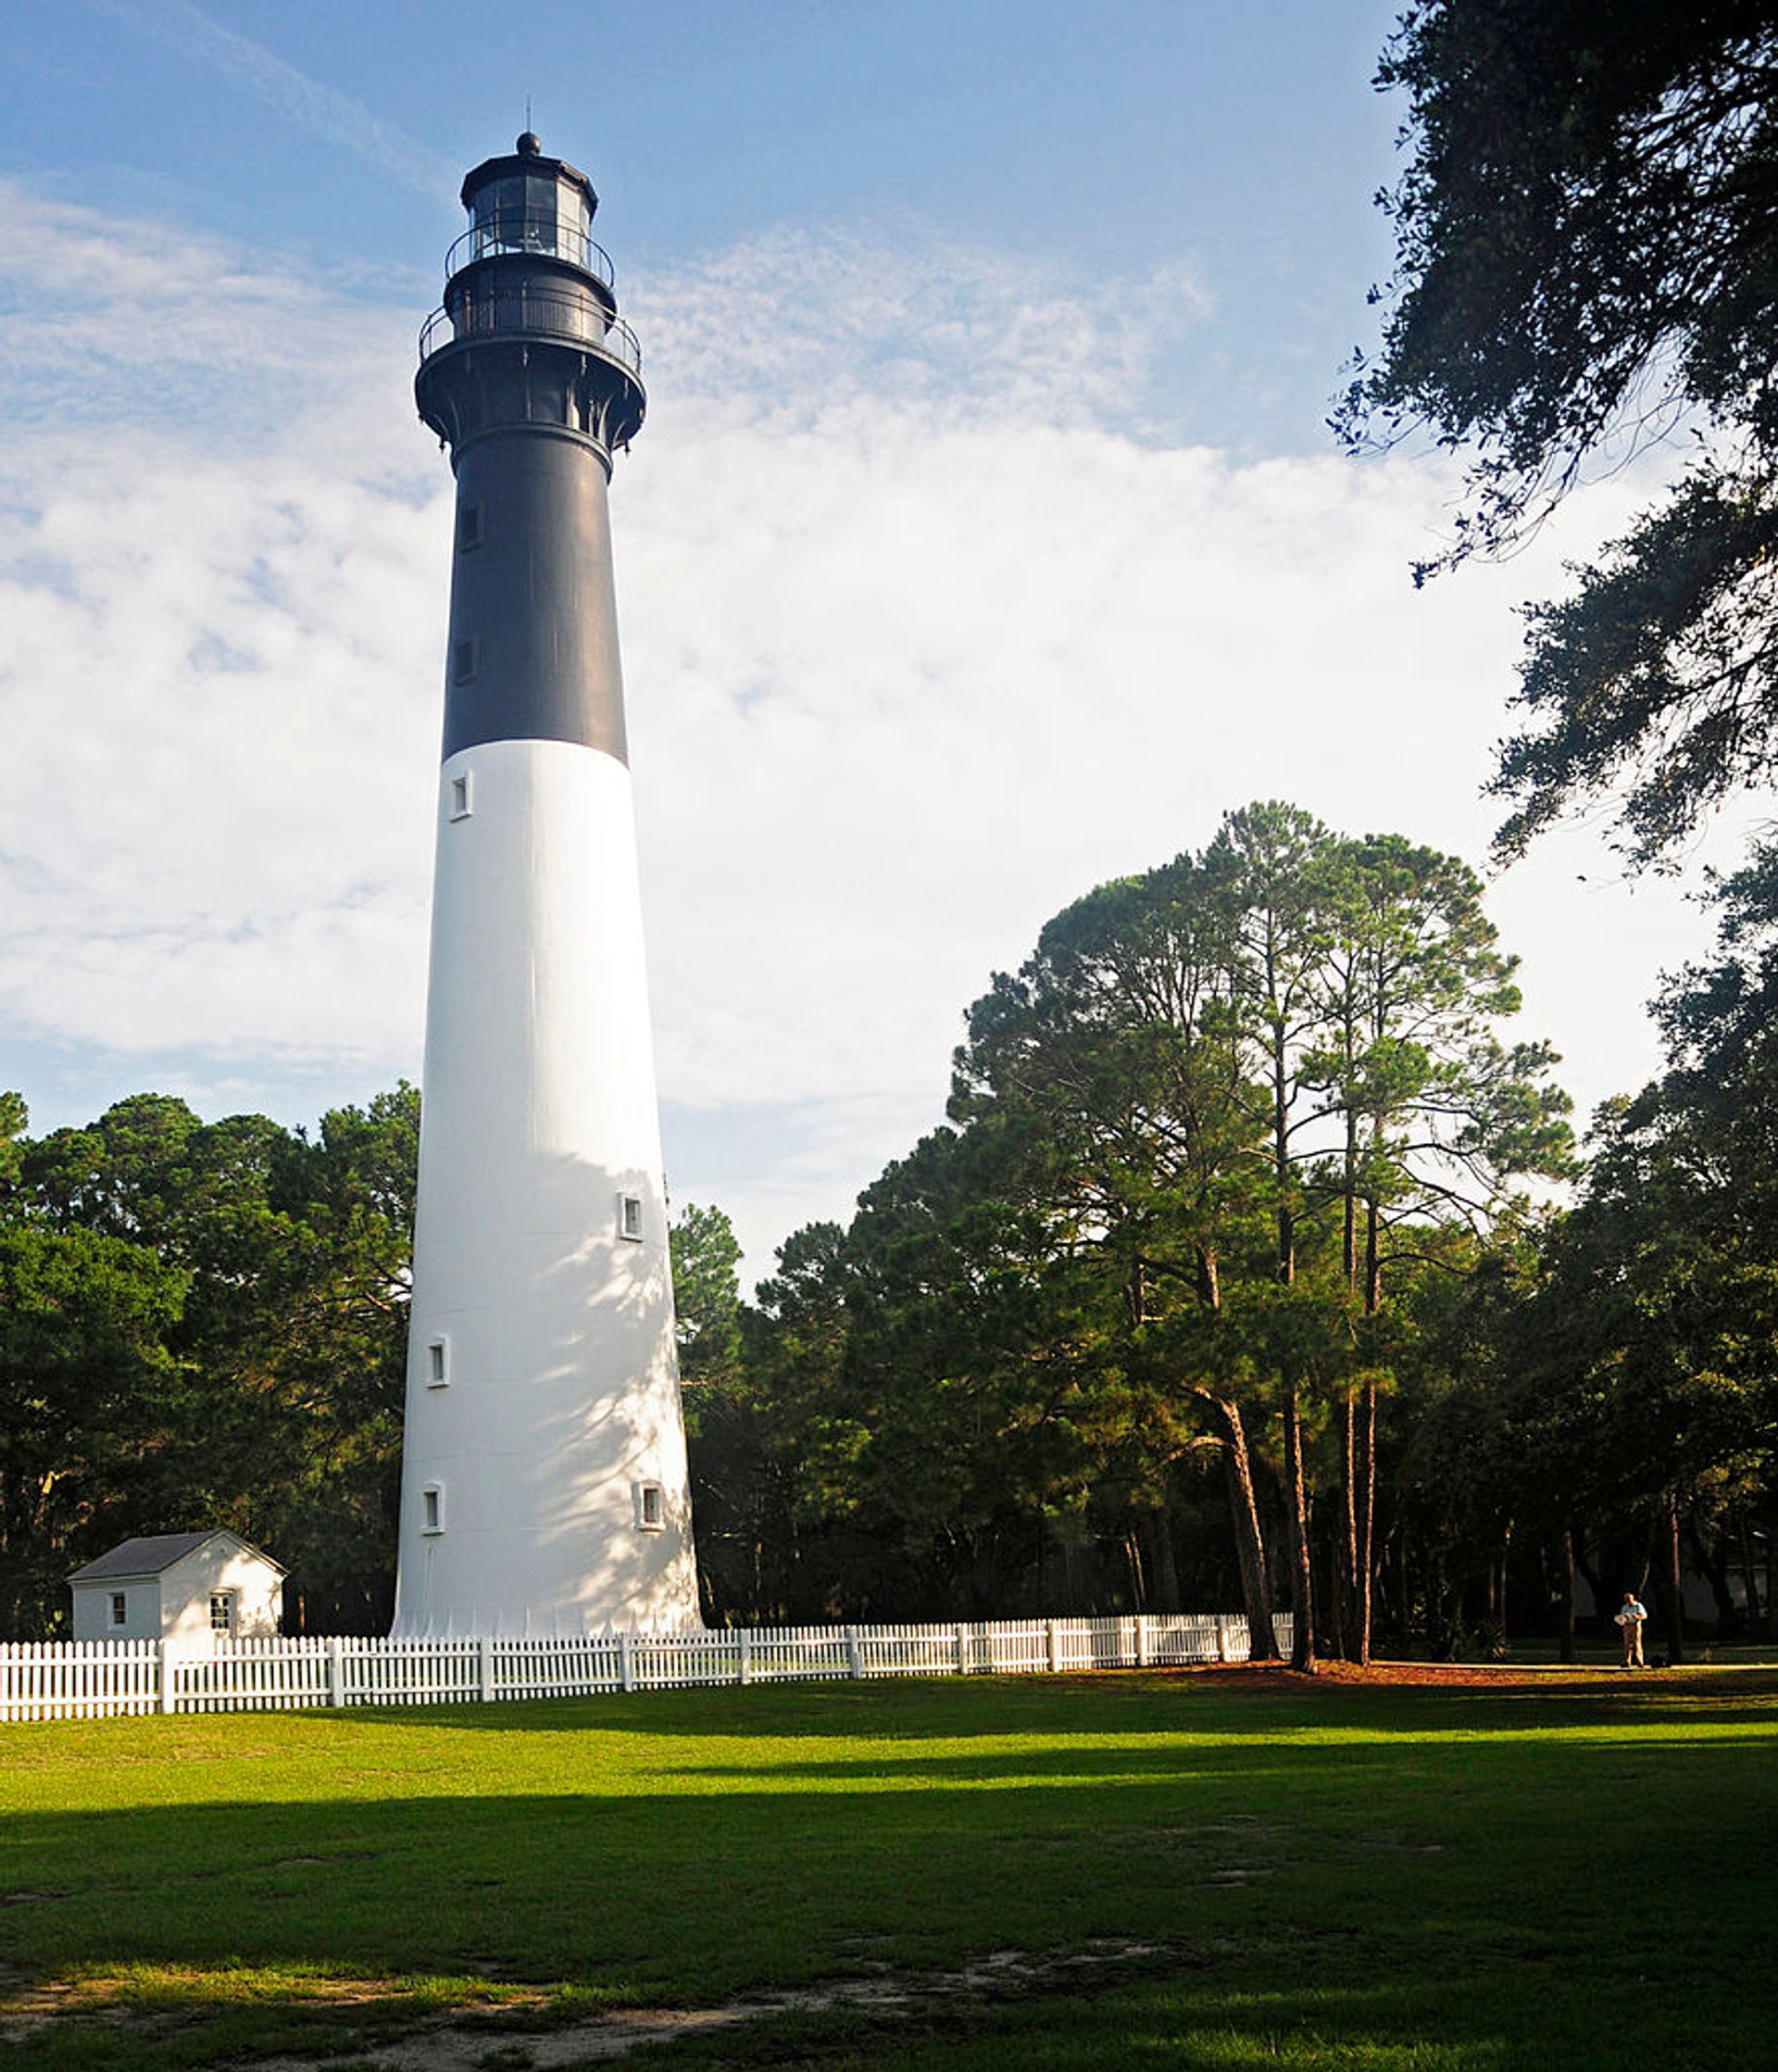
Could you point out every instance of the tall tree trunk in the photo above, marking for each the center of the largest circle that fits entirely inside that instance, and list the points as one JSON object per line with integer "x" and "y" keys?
{"x": 1712, "y": 1563}
{"x": 1676, "y": 1606}
{"x": 1345, "y": 1602}
{"x": 1404, "y": 1587}
{"x": 1367, "y": 1436}
{"x": 1163, "y": 1568}
{"x": 1348, "y": 1585}
{"x": 1335, "y": 1538}
{"x": 1244, "y": 1512}
{"x": 1302, "y": 1593}
{"x": 1593, "y": 1577}
{"x": 1132, "y": 1568}
{"x": 1367, "y": 1520}
{"x": 1565, "y": 1612}
{"x": 1349, "y": 1192}
{"x": 1751, "y": 1579}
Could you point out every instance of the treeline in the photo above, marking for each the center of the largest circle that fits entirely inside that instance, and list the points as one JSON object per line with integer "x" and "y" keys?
{"x": 205, "y": 1324}
{"x": 1238, "y": 1277}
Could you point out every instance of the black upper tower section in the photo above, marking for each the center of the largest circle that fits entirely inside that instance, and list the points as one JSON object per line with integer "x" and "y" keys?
{"x": 529, "y": 377}
{"x": 530, "y": 334}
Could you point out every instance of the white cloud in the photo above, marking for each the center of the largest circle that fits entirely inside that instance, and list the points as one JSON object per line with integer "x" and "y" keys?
{"x": 824, "y": 329}
{"x": 927, "y": 629}
{"x": 220, "y": 583}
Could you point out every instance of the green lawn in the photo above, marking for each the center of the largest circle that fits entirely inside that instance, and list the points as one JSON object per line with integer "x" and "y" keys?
{"x": 1578, "y": 1872}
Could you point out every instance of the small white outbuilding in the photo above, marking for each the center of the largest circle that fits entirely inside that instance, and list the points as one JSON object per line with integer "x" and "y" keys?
{"x": 189, "y": 1589}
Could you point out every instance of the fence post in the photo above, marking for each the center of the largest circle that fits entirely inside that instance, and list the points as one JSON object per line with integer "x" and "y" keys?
{"x": 166, "y": 1676}
{"x": 1055, "y": 1648}
{"x": 746, "y": 1658}
{"x": 335, "y": 1672}
{"x": 962, "y": 1652}
{"x": 485, "y": 1647}
{"x": 626, "y": 1664}
{"x": 854, "y": 1661}
{"x": 1142, "y": 1639}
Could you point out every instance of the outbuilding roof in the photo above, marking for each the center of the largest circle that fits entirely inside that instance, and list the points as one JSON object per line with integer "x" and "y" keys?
{"x": 154, "y": 1553}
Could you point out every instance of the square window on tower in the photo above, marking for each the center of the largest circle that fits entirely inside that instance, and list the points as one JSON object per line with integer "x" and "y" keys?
{"x": 651, "y": 1507}
{"x": 463, "y": 795}
{"x": 466, "y": 661}
{"x": 469, "y": 527}
{"x": 629, "y": 1217}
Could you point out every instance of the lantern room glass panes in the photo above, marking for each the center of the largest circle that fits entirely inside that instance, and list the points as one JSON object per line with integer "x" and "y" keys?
{"x": 499, "y": 216}
{"x": 532, "y": 212}
{"x": 540, "y": 215}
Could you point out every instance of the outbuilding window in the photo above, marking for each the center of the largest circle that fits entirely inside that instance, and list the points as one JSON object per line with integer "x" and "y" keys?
{"x": 222, "y": 1611}
{"x": 119, "y": 1608}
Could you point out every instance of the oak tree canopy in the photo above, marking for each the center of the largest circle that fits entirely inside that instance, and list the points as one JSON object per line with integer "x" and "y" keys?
{"x": 1586, "y": 264}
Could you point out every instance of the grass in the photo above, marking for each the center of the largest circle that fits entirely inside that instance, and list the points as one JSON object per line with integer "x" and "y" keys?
{"x": 1575, "y": 1872}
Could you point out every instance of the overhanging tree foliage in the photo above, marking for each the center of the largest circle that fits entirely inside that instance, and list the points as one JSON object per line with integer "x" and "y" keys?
{"x": 1586, "y": 263}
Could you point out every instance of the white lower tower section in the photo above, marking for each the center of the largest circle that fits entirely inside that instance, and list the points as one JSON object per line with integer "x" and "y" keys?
{"x": 543, "y": 1485}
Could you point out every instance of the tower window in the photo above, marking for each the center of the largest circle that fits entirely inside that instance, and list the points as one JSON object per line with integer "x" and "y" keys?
{"x": 466, "y": 661}
{"x": 438, "y": 1362}
{"x": 469, "y": 527}
{"x": 629, "y": 1217}
{"x": 432, "y": 1508}
{"x": 651, "y": 1507}
{"x": 461, "y": 790}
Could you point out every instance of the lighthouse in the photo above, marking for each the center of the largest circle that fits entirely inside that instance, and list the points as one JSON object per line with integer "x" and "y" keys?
{"x": 543, "y": 1477}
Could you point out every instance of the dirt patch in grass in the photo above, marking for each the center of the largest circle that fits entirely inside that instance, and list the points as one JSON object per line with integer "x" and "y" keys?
{"x": 176, "y": 1998}
{"x": 493, "y": 2038}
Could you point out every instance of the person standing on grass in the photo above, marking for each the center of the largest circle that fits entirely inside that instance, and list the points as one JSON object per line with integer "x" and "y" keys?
{"x": 1630, "y": 1620}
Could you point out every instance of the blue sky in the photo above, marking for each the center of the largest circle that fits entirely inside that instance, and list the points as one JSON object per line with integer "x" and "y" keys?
{"x": 986, "y": 539}
{"x": 1107, "y": 137}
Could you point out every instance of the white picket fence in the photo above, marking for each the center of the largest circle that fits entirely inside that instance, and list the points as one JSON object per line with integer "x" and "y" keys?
{"x": 91, "y": 1679}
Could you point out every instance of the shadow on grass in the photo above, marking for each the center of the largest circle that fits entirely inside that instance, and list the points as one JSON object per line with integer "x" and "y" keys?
{"x": 1189, "y": 1702}
{"x": 1324, "y": 2005}
{"x": 1429, "y": 1853}
{"x": 703, "y": 1869}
